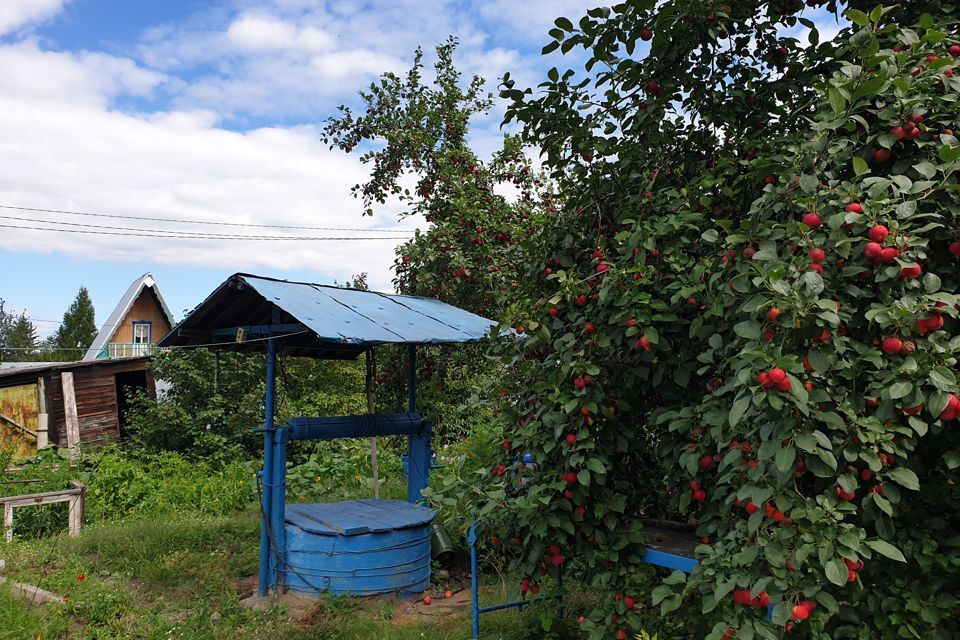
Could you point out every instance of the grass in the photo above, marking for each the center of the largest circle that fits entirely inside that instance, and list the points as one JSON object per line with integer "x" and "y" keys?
{"x": 184, "y": 578}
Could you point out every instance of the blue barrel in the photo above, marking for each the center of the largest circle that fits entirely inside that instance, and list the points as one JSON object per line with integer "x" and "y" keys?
{"x": 358, "y": 547}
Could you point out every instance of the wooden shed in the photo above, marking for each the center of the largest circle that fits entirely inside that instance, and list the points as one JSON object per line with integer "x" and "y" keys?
{"x": 69, "y": 402}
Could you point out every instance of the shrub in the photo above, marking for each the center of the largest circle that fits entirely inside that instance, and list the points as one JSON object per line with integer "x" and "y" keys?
{"x": 708, "y": 293}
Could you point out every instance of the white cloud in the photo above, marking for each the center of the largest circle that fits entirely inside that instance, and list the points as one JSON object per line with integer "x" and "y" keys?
{"x": 16, "y": 14}
{"x": 64, "y": 149}
{"x": 263, "y": 33}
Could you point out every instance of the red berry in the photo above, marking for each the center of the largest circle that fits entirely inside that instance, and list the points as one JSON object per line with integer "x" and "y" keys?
{"x": 899, "y": 132}
{"x": 751, "y": 507}
{"x": 570, "y": 477}
{"x": 628, "y": 602}
{"x": 881, "y": 155}
{"x": 955, "y": 248}
{"x": 800, "y": 612}
{"x": 954, "y": 50}
{"x": 692, "y": 301}
{"x": 571, "y": 439}
{"x": 631, "y": 322}
{"x": 427, "y": 600}
{"x": 706, "y": 461}
{"x": 777, "y": 375}
{"x": 646, "y": 34}
{"x": 854, "y": 207}
{"x": 554, "y": 311}
{"x": 775, "y": 311}
{"x": 699, "y": 495}
{"x": 812, "y": 220}
{"x": 764, "y": 380}
{"x": 916, "y": 118}
{"x": 817, "y": 255}
{"x": 878, "y": 233}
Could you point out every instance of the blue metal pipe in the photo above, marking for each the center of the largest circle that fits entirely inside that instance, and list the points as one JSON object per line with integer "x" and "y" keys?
{"x": 267, "y": 474}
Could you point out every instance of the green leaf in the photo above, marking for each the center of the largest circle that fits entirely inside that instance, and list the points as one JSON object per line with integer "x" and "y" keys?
{"x": 857, "y": 17}
{"x": 884, "y": 548}
{"x": 837, "y": 102}
{"x": 943, "y": 379}
{"x": 904, "y": 477}
{"x": 860, "y": 166}
{"x": 836, "y": 572}
{"x": 583, "y": 476}
{"x": 785, "y": 458}
{"x": 806, "y": 442}
{"x": 949, "y": 154}
{"x": 926, "y": 169}
{"x": 809, "y": 183}
{"x": 737, "y": 410}
{"x": 931, "y": 282}
{"x": 710, "y": 235}
{"x": 564, "y": 23}
{"x": 595, "y": 465}
{"x": 748, "y": 329}
{"x": 900, "y": 390}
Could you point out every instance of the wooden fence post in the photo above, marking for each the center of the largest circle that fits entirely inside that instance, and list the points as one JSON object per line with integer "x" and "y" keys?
{"x": 43, "y": 418}
{"x": 70, "y": 414}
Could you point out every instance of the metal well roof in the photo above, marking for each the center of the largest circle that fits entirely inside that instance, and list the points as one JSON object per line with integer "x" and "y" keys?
{"x": 337, "y": 322}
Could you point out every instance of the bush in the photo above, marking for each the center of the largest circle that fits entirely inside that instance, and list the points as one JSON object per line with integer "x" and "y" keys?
{"x": 124, "y": 485}
{"x": 709, "y": 292}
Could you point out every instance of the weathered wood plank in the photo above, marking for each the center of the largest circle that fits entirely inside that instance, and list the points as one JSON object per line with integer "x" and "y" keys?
{"x": 70, "y": 411}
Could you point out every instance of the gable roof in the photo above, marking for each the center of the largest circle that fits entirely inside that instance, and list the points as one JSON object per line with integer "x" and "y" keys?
{"x": 109, "y": 327}
{"x": 336, "y": 322}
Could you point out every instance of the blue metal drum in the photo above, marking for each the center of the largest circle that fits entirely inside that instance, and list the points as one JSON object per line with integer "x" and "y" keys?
{"x": 358, "y": 547}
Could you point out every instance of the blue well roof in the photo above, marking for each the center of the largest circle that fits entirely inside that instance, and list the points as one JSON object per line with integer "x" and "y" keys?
{"x": 333, "y": 322}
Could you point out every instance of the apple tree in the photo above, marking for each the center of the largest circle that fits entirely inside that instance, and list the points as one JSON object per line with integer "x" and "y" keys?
{"x": 413, "y": 133}
{"x": 744, "y": 315}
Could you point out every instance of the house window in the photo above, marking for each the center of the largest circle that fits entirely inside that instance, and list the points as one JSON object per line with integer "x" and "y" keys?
{"x": 141, "y": 332}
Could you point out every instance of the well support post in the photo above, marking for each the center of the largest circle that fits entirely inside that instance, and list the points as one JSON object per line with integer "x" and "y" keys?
{"x": 267, "y": 474}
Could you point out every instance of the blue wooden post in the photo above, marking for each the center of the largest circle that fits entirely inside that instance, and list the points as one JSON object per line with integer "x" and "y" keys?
{"x": 278, "y": 509}
{"x": 474, "y": 582}
{"x": 267, "y": 474}
{"x": 412, "y": 378}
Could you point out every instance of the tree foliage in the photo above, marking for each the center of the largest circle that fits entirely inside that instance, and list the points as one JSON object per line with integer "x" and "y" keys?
{"x": 416, "y": 130}
{"x": 78, "y": 328}
{"x": 744, "y": 314}
{"x": 18, "y": 336}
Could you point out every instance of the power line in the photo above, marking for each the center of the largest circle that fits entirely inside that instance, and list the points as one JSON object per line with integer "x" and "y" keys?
{"x": 172, "y": 235}
{"x": 203, "y": 222}
{"x": 188, "y": 234}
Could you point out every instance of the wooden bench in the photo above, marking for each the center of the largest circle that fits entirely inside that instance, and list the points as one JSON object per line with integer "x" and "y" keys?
{"x": 74, "y": 495}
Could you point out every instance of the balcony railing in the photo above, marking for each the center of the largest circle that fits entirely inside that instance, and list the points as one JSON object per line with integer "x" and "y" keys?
{"x": 126, "y": 350}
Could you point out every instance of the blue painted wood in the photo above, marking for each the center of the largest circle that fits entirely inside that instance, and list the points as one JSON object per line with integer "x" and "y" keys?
{"x": 358, "y": 547}
{"x": 360, "y": 426}
{"x": 669, "y": 560}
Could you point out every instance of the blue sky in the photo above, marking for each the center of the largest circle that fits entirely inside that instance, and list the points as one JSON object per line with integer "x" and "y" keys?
{"x": 210, "y": 110}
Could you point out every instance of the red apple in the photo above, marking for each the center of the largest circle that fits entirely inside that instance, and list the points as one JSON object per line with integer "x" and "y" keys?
{"x": 646, "y": 34}
{"x": 881, "y": 155}
{"x": 872, "y": 250}
{"x": 427, "y": 600}
{"x": 913, "y": 271}
{"x": 817, "y": 255}
{"x": 812, "y": 220}
{"x": 854, "y": 207}
{"x": 889, "y": 255}
{"x": 891, "y": 345}
{"x": 878, "y": 233}
{"x": 955, "y": 248}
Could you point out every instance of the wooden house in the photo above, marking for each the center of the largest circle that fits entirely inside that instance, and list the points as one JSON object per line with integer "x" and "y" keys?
{"x": 139, "y": 320}
{"x": 66, "y": 403}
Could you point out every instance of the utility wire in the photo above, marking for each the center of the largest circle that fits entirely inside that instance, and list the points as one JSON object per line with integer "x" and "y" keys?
{"x": 203, "y": 222}
{"x": 191, "y": 234}
{"x": 169, "y": 234}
